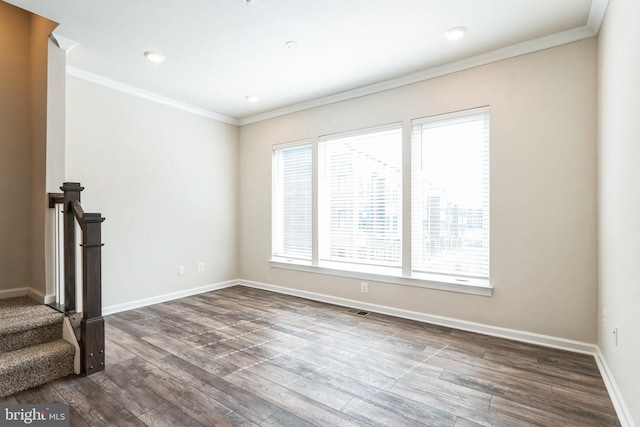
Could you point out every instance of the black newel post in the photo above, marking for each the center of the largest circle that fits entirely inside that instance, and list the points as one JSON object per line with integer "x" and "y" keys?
{"x": 92, "y": 324}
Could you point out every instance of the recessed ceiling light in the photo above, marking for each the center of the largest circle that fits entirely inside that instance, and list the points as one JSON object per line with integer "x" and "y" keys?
{"x": 455, "y": 33}
{"x": 291, "y": 44}
{"x": 154, "y": 56}
{"x": 252, "y": 98}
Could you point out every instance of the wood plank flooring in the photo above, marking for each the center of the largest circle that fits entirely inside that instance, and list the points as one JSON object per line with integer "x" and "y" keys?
{"x": 247, "y": 357}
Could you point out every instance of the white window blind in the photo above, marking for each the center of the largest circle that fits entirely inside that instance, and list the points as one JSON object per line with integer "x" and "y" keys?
{"x": 450, "y": 194}
{"x": 360, "y": 197}
{"x": 291, "y": 209}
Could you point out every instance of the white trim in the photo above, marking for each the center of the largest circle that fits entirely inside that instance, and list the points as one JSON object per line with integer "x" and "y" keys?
{"x": 27, "y": 291}
{"x": 512, "y": 334}
{"x": 37, "y": 295}
{"x": 145, "y": 94}
{"x": 292, "y": 144}
{"x": 64, "y": 43}
{"x": 622, "y": 410}
{"x": 15, "y": 292}
{"x": 596, "y": 14}
{"x": 484, "y": 110}
{"x": 50, "y": 299}
{"x": 518, "y": 49}
{"x": 166, "y": 297}
{"x": 442, "y": 283}
{"x": 360, "y": 132}
{"x": 69, "y": 336}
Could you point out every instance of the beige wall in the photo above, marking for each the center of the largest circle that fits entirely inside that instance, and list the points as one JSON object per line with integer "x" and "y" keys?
{"x": 619, "y": 201}
{"x": 23, "y": 85}
{"x": 166, "y": 181}
{"x": 40, "y": 30}
{"x": 543, "y": 190}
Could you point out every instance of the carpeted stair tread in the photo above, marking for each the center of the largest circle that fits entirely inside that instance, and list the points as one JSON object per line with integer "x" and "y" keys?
{"x": 29, "y": 367}
{"x": 22, "y": 313}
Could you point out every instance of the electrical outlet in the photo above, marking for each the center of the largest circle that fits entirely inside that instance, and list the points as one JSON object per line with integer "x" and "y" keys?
{"x": 604, "y": 319}
{"x": 201, "y": 266}
{"x": 181, "y": 270}
{"x": 364, "y": 287}
{"x": 615, "y": 335}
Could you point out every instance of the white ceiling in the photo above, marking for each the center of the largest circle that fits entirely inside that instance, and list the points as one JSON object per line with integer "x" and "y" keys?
{"x": 220, "y": 51}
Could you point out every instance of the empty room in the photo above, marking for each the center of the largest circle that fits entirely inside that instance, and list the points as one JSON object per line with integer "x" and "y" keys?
{"x": 333, "y": 213}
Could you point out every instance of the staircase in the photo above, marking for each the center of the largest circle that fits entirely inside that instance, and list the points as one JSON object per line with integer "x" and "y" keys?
{"x": 32, "y": 350}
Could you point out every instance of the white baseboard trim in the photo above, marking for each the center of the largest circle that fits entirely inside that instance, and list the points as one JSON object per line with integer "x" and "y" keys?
{"x": 15, "y": 292}
{"x": 166, "y": 297}
{"x": 622, "y": 410}
{"x": 512, "y": 334}
{"x": 29, "y": 291}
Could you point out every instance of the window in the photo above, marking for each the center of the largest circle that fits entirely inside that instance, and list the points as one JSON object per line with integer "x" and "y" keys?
{"x": 450, "y": 194}
{"x": 360, "y": 197}
{"x": 338, "y": 203}
{"x": 291, "y": 216}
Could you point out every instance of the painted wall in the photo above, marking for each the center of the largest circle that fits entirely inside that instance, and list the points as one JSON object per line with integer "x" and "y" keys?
{"x": 56, "y": 105}
{"x": 23, "y": 97}
{"x": 619, "y": 198}
{"x": 543, "y": 190}
{"x": 40, "y": 30}
{"x": 166, "y": 182}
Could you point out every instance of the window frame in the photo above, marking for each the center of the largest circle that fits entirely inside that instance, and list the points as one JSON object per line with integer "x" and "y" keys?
{"x": 391, "y": 275}
{"x": 275, "y": 228}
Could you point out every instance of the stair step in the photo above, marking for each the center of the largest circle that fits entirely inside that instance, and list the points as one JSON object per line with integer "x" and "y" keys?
{"x": 32, "y": 366}
{"x": 24, "y": 322}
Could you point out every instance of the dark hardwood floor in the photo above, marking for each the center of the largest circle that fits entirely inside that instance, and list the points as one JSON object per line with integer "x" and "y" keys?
{"x": 241, "y": 356}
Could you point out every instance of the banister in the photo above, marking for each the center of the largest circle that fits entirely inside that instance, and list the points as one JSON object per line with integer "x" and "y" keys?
{"x": 78, "y": 212}
{"x": 55, "y": 199}
{"x": 92, "y": 324}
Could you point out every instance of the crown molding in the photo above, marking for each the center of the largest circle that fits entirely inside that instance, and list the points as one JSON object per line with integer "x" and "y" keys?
{"x": 596, "y": 14}
{"x": 518, "y": 49}
{"x": 596, "y": 17}
{"x": 144, "y": 94}
{"x": 64, "y": 43}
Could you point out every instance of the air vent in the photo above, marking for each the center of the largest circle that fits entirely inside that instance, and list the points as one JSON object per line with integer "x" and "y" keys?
{"x": 357, "y": 312}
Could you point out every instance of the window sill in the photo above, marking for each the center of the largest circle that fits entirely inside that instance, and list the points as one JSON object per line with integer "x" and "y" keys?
{"x": 390, "y": 275}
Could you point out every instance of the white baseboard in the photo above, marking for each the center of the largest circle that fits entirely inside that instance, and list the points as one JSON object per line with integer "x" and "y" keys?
{"x": 622, "y": 410}
{"x": 15, "y": 292}
{"x": 512, "y": 334}
{"x": 27, "y": 290}
{"x": 166, "y": 297}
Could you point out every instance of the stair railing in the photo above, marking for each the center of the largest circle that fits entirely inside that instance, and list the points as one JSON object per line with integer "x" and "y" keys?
{"x": 91, "y": 340}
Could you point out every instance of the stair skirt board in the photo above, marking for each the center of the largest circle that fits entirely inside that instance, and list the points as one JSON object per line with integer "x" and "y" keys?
{"x": 69, "y": 336}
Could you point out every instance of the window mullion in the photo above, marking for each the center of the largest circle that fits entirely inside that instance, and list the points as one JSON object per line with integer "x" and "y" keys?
{"x": 406, "y": 198}
{"x": 314, "y": 201}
